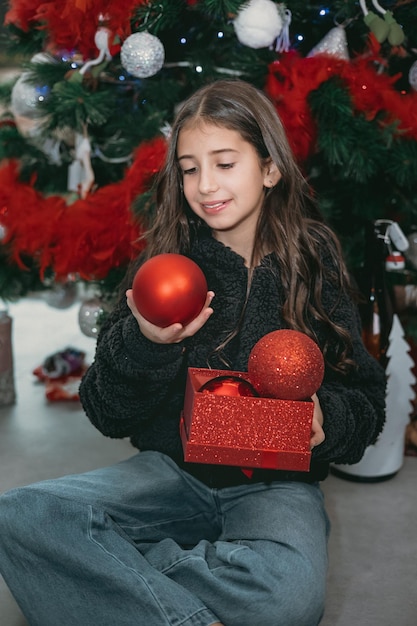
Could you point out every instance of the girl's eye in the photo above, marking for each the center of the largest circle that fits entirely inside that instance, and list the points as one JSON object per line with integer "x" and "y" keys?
{"x": 226, "y": 166}
{"x": 190, "y": 170}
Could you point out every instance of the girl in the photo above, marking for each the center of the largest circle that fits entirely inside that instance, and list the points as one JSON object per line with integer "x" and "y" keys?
{"x": 154, "y": 540}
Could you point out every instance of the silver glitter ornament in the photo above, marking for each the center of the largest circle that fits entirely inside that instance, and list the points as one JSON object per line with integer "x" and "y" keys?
{"x": 142, "y": 55}
{"x": 26, "y": 98}
{"x": 334, "y": 43}
{"x": 89, "y": 316}
{"x": 412, "y": 76}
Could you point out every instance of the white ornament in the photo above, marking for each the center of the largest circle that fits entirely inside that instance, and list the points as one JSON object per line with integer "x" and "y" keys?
{"x": 412, "y": 76}
{"x": 258, "y": 24}
{"x": 80, "y": 172}
{"x": 101, "y": 39}
{"x": 334, "y": 43}
{"x": 142, "y": 55}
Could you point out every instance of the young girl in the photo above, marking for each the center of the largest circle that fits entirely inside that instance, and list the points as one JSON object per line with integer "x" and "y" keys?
{"x": 157, "y": 541}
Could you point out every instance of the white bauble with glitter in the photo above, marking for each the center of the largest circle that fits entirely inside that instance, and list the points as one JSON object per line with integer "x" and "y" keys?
{"x": 142, "y": 55}
{"x": 258, "y": 24}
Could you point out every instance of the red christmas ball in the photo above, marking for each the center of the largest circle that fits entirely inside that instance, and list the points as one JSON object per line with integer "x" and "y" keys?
{"x": 169, "y": 288}
{"x": 229, "y": 386}
{"x": 286, "y": 364}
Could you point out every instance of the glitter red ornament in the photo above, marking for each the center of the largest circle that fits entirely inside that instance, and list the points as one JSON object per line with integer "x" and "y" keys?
{"x": 229, "y": 386}
{"x": 286, "y": 364}
{"x": 169, "y": 288}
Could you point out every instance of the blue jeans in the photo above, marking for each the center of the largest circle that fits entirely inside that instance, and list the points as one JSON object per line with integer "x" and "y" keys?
{"x": 143, "y": 542}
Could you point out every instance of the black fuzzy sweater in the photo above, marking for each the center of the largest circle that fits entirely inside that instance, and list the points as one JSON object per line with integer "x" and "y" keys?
{"x": 135, "y": 388}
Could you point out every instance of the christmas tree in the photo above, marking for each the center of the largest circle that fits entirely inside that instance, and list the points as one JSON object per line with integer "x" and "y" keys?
{"x": 86, "y": 116}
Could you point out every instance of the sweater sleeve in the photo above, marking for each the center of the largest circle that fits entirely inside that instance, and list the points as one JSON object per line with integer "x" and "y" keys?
{"x": 129, "y": 376}
{"x": 353, "y": 405}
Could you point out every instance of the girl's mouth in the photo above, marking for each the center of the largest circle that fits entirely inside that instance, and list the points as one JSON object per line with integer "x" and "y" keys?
{"x": 214, "y": 207}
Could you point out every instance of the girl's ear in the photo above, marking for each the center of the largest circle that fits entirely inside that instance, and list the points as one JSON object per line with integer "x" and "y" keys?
{"x": 272, "y": 175}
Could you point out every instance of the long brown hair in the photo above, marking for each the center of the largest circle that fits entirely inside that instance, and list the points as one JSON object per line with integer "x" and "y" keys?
{"x": 290, "y": 223}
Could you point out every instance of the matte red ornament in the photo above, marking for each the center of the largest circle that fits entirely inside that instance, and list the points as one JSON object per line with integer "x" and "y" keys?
{"x": 229, "y": 386}
{"x": 286, "y": 364}
{"x": 169, "y": 288}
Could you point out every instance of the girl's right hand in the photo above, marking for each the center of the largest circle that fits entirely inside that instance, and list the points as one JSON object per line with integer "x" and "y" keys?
{"x": 174, "y": 333}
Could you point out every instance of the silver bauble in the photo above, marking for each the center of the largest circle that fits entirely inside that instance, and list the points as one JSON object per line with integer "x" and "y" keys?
{"x": 26, "y": 98}
{"x": 89, "y": 316}
{"x": 62, "y": 295}
{"x": 142, "y": 55}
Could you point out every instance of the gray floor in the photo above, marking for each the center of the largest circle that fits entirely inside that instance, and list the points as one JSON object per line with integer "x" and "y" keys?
{"x": 373, "y": 545}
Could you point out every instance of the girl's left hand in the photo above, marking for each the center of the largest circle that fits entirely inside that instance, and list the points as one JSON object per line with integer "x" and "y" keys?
{"x": 317, "y": 432}
{"x": 174, "y": 333}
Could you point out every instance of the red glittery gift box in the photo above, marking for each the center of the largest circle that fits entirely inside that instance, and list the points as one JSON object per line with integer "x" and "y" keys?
{"x": 244, "y": 431}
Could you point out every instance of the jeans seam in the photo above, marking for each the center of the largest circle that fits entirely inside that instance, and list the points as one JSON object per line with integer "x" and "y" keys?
{"x": 130, "y": 569}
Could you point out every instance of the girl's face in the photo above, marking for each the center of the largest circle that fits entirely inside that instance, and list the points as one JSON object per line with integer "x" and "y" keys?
{"x": 224, "y": 180}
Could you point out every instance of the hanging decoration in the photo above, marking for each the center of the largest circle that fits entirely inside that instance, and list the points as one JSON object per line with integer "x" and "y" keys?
{"x": 283, "y": 42}
{"x": 107, "y": 44}
{"x": 334, "y": 43}
{"x": 80, "y": 172}
{"x": 258, "y": 23}
{"x": 142, "y": 55}
{"x": 385, "y": 28}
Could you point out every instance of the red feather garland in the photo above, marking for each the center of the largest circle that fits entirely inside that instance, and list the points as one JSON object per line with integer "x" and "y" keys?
{"x": 90, "y": 236}
{"x": 292, "y": 78}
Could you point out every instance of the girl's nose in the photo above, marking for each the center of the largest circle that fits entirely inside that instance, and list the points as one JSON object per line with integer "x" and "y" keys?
{"x": 207, "y": 182}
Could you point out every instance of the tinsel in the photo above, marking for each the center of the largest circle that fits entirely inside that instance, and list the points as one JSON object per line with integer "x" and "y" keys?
{"x": 88, "y": 237}
{"x": 72, "y": 23}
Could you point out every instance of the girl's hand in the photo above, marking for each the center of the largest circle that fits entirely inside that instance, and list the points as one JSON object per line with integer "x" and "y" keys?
{"x": 317, "y": 433}
{"x": 174, "y": 333}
